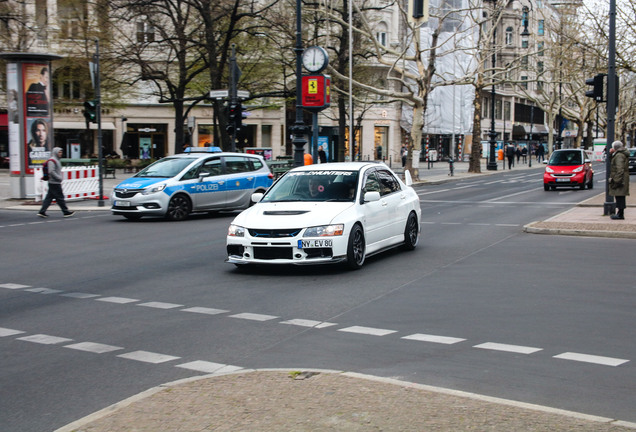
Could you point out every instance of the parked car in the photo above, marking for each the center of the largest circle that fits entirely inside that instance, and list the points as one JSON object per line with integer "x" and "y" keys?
{"x": 175, "y": 186}
{"x": 632, "y": 160}
{"x": 568, "y": 168}
{"x": 327, "y": 213}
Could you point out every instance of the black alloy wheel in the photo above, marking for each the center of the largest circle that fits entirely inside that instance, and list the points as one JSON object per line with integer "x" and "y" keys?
{"x": 356, "y": 248}
{"x": 179, "y": 208}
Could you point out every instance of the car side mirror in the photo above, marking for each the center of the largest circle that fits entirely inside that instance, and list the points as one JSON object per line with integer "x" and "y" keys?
{"x": 371, "y": 196}
{"x": 203, "y": 175}
{"x": 256, "y": 197}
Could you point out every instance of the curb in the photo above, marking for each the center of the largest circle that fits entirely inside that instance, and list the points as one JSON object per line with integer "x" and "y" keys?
{"x": 531, "y": 229}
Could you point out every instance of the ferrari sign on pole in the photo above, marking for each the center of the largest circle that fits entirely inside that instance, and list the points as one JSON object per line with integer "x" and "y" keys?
{"x": 316, "y": 92}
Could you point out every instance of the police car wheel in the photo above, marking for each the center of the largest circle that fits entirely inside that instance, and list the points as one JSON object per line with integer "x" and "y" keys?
{"x": 179, "y": 208}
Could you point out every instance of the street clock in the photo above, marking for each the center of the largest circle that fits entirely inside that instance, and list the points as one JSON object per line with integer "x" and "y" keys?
{"x": 315, "y": 59}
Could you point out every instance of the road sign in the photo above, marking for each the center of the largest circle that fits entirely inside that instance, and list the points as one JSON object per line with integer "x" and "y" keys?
{"x": 224, "y": 94}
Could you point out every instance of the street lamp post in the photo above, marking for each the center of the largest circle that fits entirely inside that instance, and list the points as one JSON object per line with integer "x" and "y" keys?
{"x": 525, "y": 41}
{"x": 299, "y": 127}
{"x": 492, "y": 163}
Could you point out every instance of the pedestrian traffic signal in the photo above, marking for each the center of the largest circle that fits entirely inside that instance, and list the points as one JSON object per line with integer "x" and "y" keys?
{"x": 90, "y": 111}
{"x": 597, "y": 84}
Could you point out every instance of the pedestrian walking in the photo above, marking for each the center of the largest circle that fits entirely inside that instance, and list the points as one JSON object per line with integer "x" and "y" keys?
{"x": 510, "y": 154}
{"x": 55, "y": 192}
{"x": 619, "y": 177}
{"x": 404, "y": 152}
{"x": 540, "y": 153}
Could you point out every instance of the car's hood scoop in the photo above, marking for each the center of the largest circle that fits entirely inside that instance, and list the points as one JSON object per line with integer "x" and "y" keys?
{"x": 284, "y": 212}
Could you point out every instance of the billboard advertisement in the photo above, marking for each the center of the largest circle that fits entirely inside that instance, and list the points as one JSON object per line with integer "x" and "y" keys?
{"x": 38, "y": 133}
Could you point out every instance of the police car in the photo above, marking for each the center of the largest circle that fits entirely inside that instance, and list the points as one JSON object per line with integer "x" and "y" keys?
{"x": 175, "y": 186}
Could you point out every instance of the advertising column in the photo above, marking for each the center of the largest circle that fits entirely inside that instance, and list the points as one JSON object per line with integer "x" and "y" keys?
{"x": 30, "y": 110}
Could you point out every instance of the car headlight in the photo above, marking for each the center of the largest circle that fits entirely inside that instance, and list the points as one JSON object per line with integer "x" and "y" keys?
{"x": 153, "y": 189}
{"x": 325, "y": 231}
{"x": 579, "y": 169}
{"x": 549, "y": 170}
{"x": 236, "y": 231}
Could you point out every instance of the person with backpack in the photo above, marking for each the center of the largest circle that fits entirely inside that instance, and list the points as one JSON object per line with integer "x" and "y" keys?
{"x": 53, "y": 173}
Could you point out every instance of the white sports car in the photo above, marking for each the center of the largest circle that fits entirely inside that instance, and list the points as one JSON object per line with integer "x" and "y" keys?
{"x": 327, "y": 213}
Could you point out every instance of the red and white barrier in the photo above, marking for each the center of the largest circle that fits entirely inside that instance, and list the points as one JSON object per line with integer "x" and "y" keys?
{"x": 78, "y": 183}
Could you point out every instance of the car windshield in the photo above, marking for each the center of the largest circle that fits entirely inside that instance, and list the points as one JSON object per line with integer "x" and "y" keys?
{"x": 566, "y": 158}
{"x": 165, "y": 168}
{"x": 317, "y": 185}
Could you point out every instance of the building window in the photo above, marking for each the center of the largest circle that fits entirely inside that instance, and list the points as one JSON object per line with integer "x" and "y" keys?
{"x": 524, "y": 62}
{"x": 145, "y": 32}
{"x": 540, "y": 85}
{"x": 540, "y": 29}
{"x": 541, "y": 49}
{"x": 498, "y": 111}
{"x": 507, "y": 111}
{"x": 540, "y": 67}
{"x": 509, "y": 36}
{"x": 381, "y": 38}
{"x": 524, "y": 83}
{"x": 486, "y": 106}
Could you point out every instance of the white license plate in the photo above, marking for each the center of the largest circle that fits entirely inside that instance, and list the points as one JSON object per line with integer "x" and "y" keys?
{"x": 122, "y": 203}
{"x": 321, "y": 243}
{"x": 562, "y": 179}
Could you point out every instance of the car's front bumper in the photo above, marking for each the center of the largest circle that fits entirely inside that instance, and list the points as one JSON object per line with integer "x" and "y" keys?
{"x": 276, "y": 251}
{"x": 576, "y": 179}
{"x": 141, "y": 205}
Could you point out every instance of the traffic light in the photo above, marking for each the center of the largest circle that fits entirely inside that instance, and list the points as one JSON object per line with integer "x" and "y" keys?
{"x": 234, "y": 118}
{"x": 597, "y": 84}
{"x": 90, "y": 111}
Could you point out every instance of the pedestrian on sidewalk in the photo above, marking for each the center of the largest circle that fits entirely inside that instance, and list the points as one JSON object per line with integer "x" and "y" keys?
{"x": 619, "y": 177}
{"x": 404, "y": 152}
{"x": 55, "y": 192}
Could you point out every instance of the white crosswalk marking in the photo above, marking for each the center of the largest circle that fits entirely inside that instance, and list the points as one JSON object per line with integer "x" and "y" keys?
{"x": 587, "y": 358}
{"x": 93, "y": 347}
{"x": 44, "y": 339}
{"x": 308, "y": 323}
{"x": 148, "y": 357}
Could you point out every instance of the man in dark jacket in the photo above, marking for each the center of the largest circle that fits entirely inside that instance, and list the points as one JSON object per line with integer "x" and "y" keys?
{"x": 55, "y": 185}
{"x": 619, "y": 177}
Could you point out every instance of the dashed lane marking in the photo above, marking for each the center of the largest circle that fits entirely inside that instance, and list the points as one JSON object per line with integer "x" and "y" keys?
{"x": 208, "y": 367}
{"x": 433, "y": 338}
{"x": 160, "y": 305}
{"x": 367, "y": 331}
{"x": 44, "y": 290}
{"x": 508, "y": 348}
{"x": 308, "y": 323}
{"x": 254, "y": 317}
{"x": 148, "y": 357}
{"x": 205, "y": 310}
{"x": 44, "y": 339}
{"x": 4, "y": 332}
{"x": 153, "y": 357}
{"x": 587, "y": 358}
{"x": 80, "y": 295}
{"x": 93, "y": 347}
{"x": 13, "y": 286}
{"x": 118, "y": 300}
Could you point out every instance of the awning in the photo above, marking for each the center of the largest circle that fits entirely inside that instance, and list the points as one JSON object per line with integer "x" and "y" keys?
{"x": 81, "y": 125}
{"x": 518, "y": 130}
{"x": 537, "y": 129}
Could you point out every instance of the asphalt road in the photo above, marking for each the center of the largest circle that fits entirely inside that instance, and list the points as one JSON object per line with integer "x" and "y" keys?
{"x": 94, "y": 309}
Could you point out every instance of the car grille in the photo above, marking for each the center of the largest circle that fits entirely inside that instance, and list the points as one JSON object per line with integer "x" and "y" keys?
{"x": 271, "y": 253}
{"x": 126, "y": 193}
{"x": 274, "y": 233}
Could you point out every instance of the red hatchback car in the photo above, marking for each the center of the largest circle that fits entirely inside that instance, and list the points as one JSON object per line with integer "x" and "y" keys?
{"x": 568, "y": 168}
